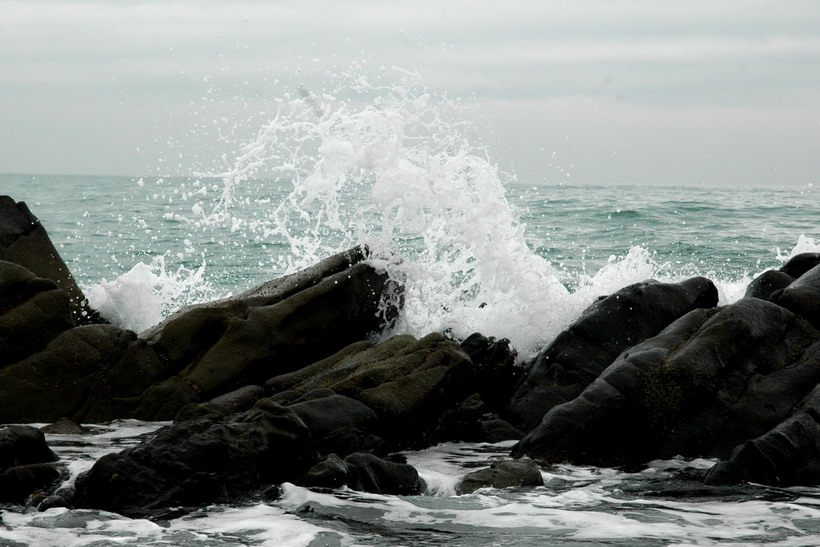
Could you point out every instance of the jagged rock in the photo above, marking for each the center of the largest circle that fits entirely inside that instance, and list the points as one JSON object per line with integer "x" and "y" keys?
{"x": 205, "y": 459}
{"x": 768, "y": 282}
{"x": 502, "y": 474}
{"x": 24, "y": 241}
{"x": 496, "y": 373}
{"x": 33, "y": 310}
{"x": 408, "y": 383}
{"x": 276, "y": 328}
{"x": 799, "y": 264}
{"x": 803, "y": 296}
{"x": 579, "y": 354}
{"x": 708, "y": 382}
{"x": 788, "y": 455}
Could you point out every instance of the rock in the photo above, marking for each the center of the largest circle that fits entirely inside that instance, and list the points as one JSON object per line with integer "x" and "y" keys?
{"x": 204, "y": 460}
{"x": 802, "y": 297}
{"x": 277, "y": 328}
{"x": 332, "y": 472}
{"x": 19, "y": 482}
{"x": 93, "y": 373}
{"x": 23, "y": 445}
{"x": 799, "y": 264}
{"x": 338, "y": 424}
{"x": 64, "y": 426}
{"x": 33, "y": 310}
{"x": 369, "y": 473}
{"x": 496, "y": 373}
{"x": 768, "y": 282}
{"x": 502, "y": 474}
{"x": 236, "y": 401}
{"x": 788, "y": 455}
{"x": 705, "y": 384}
{"x": 410, "y": 384}
{"x": 579, "y": 354}
{"x": 496, "y": 430}
{"x": 24, "y": 241}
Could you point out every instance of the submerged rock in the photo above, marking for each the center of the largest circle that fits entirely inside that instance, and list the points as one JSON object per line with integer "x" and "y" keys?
{"x": 502, "y": 474}
{"x": 707, "y": 383}
{"x": 366, "y": 473}
{"x": 579, "y": 354}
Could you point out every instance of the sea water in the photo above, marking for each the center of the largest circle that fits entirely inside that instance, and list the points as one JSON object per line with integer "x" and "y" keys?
{"x": 477, "y": 250}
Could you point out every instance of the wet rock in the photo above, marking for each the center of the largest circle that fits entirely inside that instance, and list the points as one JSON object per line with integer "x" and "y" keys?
{"x": 496, "y": 373}
{"x": 369, "y": 473}
{"x": 705, "y": 384}
{"x": 802, "y": 297}
{"x": 502, "y": 474}
{"x": 22, "y": 445}
{"x": 24, "y": 241}
{"x": 236, "y": 401}
{"x": 33, "y": 310}
{"x": 93, "y": 373}
{"x": 799, "y": 264}
{"x": 332, "y": 472}
{"x": 337, "y": 424}
{"x": 410, "y": 384}
{"x": 19, "y": 482}
{"x": 276, "y": 328}
{"x": 496, "y": 430}
{"x": 579, "y": 354}
{"x": 788, "y": 455}
{"x": 768, "y": 282}
{"x": 64, "y": 426}
{"x": 206, "y": 459}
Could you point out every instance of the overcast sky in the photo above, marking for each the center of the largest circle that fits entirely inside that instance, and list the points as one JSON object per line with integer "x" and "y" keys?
{"x": 703, "y": 92}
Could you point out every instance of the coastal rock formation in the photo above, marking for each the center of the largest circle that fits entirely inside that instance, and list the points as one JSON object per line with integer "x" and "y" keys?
{"x": 502, "y": 474}
{"x": 364, "y": 472}
{"x": 579, "y": 354}
{"x": 25, "y": 463}
{"x": 203, "y": 457}
{"x": 708, "y": 382}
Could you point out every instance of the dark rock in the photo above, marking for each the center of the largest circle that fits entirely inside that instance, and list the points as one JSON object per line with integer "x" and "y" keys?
{"x": 579, "y": 354}
{"x": 369, "y": 473}
{"x": 803, "y": 296}
{"x": 496, "y": 373}
{"x": 276, "y": 328}
{"x": 24, "y": 241}
{"x": 708, "y": 382}
{"x": 62, "y": 497}
{"x": 195, "y": 462}
{"x": 800, "y": 264}
{"x": 332, "y": 472}
{"x": 502, "y": 474}
{"x": 768, "y": 282}
{"x": 23, "y": 445}
{"x": 94, "y": 373}
{"x": 788, "y": 455}
{"x": 64, "y": 426}
{"x": 410, "y": 384}
{"x": 19, "y": 482}
{"x": 33, "y": 310}
{"x": 463, "y": 423}
{"x": 338, "y": 424}
{"x": 496, "y": 430}
{"x": 236, "y": 401}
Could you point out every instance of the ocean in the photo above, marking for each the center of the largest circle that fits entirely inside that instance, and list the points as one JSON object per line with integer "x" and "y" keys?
{"x": 477, "y": 250}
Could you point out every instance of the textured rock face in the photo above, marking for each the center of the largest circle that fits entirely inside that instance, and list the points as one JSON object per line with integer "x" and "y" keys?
{"x": 202, "y": 458}
{"x": 366, "y": 473}
{"x": 25, "y": 463}
{"x": 408, "y": 383}
{"x": 24, "y": 241}
{"x": 579, "y": 354}
{"x": 708, "y": 382}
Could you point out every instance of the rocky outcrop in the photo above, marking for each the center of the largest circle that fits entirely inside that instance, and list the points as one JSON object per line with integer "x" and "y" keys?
{"x": 705, "y": 384}
{"x": 204, "y": 457}
{"x": 579, "y": 354}
{"x": 24, "y": 241}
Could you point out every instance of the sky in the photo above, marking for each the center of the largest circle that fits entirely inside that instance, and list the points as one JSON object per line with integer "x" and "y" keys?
{"x": 627, "y": 92}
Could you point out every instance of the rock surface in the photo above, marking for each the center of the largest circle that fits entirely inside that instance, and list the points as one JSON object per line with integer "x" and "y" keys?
{"x": 502, "y": 474}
